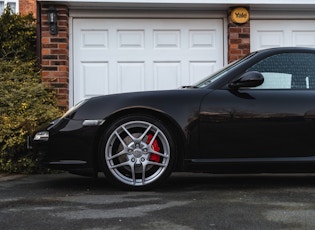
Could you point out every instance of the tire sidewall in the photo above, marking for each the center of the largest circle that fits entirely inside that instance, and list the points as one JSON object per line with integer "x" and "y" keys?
{"x": 136, "y": 117}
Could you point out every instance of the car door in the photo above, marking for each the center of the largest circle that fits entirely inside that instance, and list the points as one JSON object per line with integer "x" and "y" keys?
{"x": 273, "y": 120}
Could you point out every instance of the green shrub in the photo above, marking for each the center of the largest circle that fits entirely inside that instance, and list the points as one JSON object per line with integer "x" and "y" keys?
{"x": 17, "y": 36}
{"x": 24, "y": 103}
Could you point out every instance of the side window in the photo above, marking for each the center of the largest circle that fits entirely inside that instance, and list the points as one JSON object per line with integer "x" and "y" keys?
{"x": 12, "y": 6}
{"x": 287, "y": 71}
{"x": 12, "y": 3}
{"x": 1, "y": 6}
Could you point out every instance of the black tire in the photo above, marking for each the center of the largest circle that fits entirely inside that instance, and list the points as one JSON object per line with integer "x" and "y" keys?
{"x": 137, "y": 152}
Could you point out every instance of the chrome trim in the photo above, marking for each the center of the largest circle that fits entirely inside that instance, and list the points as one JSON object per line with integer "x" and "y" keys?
{"x": 93, "y": 122}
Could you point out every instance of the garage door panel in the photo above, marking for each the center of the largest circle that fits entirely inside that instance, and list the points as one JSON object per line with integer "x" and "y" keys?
{"x": 199, "y": 70}
{"x": 94, "y": 73}
{"x": 280, "y": 33}
{"x": 303, "y": 38}
{"x": 269, "y": 39}
{"x": 202, "y": 39}
{"x": 166, "y": 39}
{"x": 143, "y": 54}
{"x": 95, "y": 39}
{"x": 131, "y": 76}
{"x": 167, "y": 75}
{"x": 130, "y": 39}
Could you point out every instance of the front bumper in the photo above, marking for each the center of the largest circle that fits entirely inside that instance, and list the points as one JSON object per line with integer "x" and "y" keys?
{"x": 67, "y": 144}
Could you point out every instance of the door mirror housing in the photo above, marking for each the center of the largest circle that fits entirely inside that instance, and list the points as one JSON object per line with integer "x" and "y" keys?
{"x": 247, "y": 80}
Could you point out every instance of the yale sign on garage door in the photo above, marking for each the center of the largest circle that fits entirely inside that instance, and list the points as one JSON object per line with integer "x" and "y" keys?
{"x": 279, "y": 33}
{"x": 124, "y": 55}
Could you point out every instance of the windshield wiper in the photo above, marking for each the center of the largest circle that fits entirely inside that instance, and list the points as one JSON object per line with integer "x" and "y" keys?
{"x": 189, "y": 87}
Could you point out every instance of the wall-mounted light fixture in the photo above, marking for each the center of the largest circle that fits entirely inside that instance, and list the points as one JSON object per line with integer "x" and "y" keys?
{"x": 52, "y": 19}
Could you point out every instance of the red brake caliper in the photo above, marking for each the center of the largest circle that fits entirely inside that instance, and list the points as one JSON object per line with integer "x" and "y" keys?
{"x": 155, "y": 147}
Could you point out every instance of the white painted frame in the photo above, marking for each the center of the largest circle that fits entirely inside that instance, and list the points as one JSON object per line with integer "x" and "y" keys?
{"x": 5, "y": 2}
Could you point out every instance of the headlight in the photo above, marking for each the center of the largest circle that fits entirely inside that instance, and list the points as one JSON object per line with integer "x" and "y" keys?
{"x": 41, "y": 136}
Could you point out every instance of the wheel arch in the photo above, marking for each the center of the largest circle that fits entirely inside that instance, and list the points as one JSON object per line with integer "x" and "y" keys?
{"x": 175, "y": 130}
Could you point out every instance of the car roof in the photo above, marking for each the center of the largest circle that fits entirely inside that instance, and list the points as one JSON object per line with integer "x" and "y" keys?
{"x": 286, "y": 49}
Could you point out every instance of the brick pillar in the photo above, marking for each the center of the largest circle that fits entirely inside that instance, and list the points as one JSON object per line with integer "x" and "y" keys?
{"x": 27, "y": 6}
{"x": 239, "y": 39}
{"x": 55, "y": 54}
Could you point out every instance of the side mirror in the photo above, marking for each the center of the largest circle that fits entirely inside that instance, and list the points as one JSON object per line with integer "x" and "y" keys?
{"x": 249, "y": 79}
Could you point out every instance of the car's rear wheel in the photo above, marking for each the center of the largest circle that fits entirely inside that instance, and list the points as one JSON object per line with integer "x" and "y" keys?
{"x": 137, "y": 152}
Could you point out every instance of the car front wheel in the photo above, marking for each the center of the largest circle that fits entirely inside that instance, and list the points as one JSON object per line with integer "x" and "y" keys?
{"x": 137, "y": 152}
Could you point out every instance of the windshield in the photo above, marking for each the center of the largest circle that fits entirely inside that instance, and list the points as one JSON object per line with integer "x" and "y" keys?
{"x": 217, "y": 75}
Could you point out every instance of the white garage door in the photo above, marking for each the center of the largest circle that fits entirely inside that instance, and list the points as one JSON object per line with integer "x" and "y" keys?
{"x": 279, "y": 33}
{"x": 123, "y": 55}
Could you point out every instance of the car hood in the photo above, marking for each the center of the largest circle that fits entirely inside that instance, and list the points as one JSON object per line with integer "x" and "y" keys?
{"x": 168, "y": 101}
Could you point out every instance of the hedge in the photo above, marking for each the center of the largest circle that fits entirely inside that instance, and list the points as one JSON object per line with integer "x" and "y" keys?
{"x": 24, "y": 103}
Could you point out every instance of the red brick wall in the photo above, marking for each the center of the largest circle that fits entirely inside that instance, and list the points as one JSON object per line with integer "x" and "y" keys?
{"x": 55, "y": 54}
{"x": 27, "y": 6}
{"x": 238, "y": 40}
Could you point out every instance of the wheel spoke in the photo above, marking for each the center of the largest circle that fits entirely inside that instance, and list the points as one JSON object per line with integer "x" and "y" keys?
{"x": 153, "y": 138}
{"x": 143, "y": 173}
{"x": 121, "y": 140}
{"x": 126, "y": 163}
{"x": 129, "y": 134}
{"x": 159, "y": 154}
{"x": 157, "y": 164}
{"x": 145, "y": 132}
{"x": 123, "y": 152}
{"x": 133, "y": 174}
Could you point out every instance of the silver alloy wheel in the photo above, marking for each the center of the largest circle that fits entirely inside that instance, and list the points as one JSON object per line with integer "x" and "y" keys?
{"x": 137, "y": 153}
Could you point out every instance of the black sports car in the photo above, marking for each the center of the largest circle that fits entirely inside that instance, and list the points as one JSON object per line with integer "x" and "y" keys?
{"x": 256, "y": 115}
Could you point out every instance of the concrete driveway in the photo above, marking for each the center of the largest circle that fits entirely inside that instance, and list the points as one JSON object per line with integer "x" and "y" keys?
{"x": 187, "y": 201}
